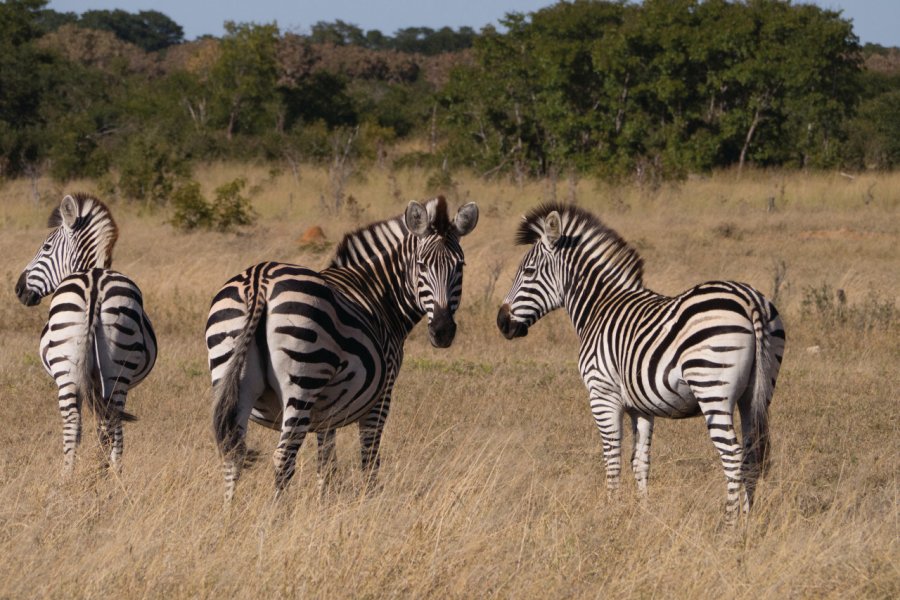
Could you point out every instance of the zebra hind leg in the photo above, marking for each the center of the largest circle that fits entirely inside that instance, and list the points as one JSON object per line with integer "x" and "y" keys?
{"x": 116, "y": 430}
{"x": 371, "y": 427}
{"x": 750, "y": 468}
{"x": 718, "y": 411}
{"x": 326, "y": 459}
{"x": 294, "y": 426}
{"x": 70, "y": 410}
{"x": 109, "y": 432}
{"x": 642, "y": 432}
{"x": 285, "y": 456}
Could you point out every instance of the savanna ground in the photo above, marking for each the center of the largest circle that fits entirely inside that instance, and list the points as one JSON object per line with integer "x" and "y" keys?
{"x": 492, "y": 478}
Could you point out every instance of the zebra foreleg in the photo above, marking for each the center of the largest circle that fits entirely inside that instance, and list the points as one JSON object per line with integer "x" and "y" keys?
{"x": 642, "y": 432}
{"x": 326, "y": 458}
{"x": 607, "y": 414}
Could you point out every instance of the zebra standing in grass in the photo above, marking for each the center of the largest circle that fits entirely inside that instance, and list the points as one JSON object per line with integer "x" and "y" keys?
{"x": 98, "y": 342}
{"x": 298, "y": 350}
{"x": 715, "y": 345}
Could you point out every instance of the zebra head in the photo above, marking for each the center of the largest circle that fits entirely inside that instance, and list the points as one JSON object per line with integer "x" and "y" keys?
{"x": 439, "y": 261}
{"x": 536, "y": 288}
{"x": 83, "y": 238}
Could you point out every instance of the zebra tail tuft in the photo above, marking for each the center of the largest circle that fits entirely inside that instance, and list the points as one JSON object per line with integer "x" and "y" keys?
{"x": 226, "y": 392}
{"x": 127, "y": 417}
{"x": 762, "y": 393}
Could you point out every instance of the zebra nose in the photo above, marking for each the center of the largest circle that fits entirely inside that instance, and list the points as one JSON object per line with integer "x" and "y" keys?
{"x": 442, "y": 328}
{"x": 509, "y": 328}
{"x": 25, "y": 296}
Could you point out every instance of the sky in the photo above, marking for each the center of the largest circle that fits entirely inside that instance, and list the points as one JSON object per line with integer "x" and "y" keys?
{"x": 874, "y": 21}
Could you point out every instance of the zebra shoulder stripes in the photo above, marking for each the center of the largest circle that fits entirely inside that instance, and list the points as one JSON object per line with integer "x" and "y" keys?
{"x": 714, "y": 346}
{"x": 298, "y": 350}
{"x": 98, "y": 342}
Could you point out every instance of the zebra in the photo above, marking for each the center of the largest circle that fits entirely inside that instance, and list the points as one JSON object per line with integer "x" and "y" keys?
{"x": 98, "y": 342}
{"x": 297, "y": 350}
{"x": 699, "y": 353}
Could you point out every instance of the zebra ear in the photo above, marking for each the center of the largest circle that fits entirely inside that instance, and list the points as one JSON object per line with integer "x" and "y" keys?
{"x": 466, "y": 219}
{"x": 417, "y": 218}
{"x": 552, "y": 228}
{"x": 68, "y": 210}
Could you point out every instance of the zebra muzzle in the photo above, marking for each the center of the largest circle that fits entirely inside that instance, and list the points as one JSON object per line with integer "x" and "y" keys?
{"x": 442, "y": 328}
{"x": 26, "y": 296}
{"x": 508, "y": 327}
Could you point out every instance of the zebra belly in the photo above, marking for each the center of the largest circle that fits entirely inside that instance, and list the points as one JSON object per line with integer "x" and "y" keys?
{"x": 328, "y": 412}
{"x": 677, "y": 403}
{"x": 267, "y": 410}
{"x": 333, "y": 408}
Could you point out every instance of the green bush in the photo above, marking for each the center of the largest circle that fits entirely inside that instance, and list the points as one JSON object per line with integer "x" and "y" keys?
{"x": 192, "y": 211}
{"x": 228, "y": 211}
{"x": 231, "y": 209}
{"x": 150, "y": 169}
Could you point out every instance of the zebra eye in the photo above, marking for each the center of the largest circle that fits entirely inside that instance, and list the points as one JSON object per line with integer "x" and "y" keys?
{"x": 46, "y": 247}
{"x": 529, "y": 270}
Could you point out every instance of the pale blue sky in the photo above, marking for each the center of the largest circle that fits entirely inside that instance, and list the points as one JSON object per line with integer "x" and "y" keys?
{"x": 873, "y": 20}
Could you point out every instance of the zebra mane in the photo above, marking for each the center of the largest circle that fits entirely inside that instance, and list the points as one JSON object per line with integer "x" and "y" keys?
{"x": 91, "y": 212}
{"x": 578, "y": 226}
{"x": 360, "y": 244}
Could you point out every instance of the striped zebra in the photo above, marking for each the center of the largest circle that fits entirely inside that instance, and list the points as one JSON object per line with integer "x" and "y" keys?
{"x": 297, "y": 350}
{"x": 699, "y": 353}
{"x": 98, "y": 342}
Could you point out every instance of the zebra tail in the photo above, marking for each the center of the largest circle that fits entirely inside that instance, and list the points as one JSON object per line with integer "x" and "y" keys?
{"x": 226, "y": 391}
{"x": 89, "y": 386}
{"x": 762, "y": 393}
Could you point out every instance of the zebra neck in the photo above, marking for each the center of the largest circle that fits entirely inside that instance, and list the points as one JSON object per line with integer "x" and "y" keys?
{"x": 385, "y": 296}
{"x": 591, "y": 284}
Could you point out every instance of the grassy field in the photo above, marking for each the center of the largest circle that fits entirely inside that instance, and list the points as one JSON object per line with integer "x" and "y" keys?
{"x": 493, "y": 482}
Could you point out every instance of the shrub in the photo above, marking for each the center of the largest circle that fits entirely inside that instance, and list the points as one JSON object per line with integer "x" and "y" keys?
{"x": 229, "y": 210}
{"x": 832, "y": 310}
{"x": 150, "y": 169}
{"x": 192, "y": 211}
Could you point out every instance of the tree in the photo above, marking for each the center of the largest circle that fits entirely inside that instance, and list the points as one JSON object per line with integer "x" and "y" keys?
{"x": 245, "y": 77}
{"x": 667, "y": 85}
{"x": 26, "y": 74}
{"x": 338, "y": 33}
{"x": 148, "y": 29}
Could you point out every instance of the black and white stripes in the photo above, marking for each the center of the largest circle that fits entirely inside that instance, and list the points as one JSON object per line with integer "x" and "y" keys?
{"x": 299, "y": 350}
{"x": 98, "y": 342}
{"x": 715, "y": 346}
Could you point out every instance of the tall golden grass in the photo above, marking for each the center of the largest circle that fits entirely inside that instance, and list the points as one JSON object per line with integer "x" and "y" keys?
{"x": 492, "y": 482}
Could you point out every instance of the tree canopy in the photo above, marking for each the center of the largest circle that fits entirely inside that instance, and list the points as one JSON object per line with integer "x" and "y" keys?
{"x": 657, "y": 89}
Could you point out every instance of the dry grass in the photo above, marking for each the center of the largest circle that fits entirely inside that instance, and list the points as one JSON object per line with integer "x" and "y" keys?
{"x": 492, "y": 477}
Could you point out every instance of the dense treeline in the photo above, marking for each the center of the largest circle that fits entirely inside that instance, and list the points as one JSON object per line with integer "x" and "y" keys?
{"x": 658, "y": 89}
